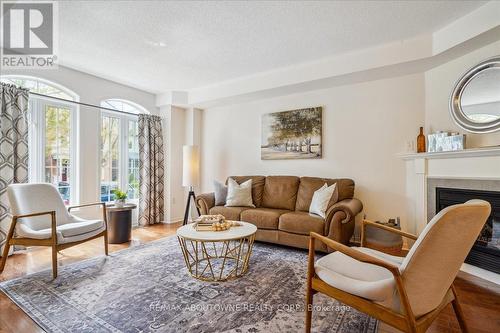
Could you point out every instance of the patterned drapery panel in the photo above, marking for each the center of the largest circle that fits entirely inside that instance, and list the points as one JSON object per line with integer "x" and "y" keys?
{"x": 151, "y": 170}
{"x": 13, "y": 147}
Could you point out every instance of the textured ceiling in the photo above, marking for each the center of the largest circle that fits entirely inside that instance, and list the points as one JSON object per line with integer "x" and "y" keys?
{"x": 164, "y": 45}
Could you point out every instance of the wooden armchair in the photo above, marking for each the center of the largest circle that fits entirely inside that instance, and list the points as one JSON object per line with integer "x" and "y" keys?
{"x": 406, "y": 293}
{"x": 40, "y": 218}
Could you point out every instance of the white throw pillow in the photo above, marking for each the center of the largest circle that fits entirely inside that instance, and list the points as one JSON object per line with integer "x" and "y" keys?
{"x": 320, "y": 200}
{"x": 239, "y": 195}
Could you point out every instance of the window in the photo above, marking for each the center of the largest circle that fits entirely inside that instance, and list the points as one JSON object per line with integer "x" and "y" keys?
{"x": 133, "y": 159}
{"x": 52, "y": 135}
{"x": 57, "y": 156}
{"x": 39, "y": 86}
{"x": 119, "y": 149}
{"x": 110, "y": 151}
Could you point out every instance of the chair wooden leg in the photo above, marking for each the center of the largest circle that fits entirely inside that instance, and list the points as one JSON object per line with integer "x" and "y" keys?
{"x": 106, "y": 242}
{"x": 309, "y": 302}
{"x": 459, "y": 312}
{"x": 7, "y": 245}
{"x": 54, "y": 261}
{"x": 5, "y": 254}
{"x": 309, "y": 291}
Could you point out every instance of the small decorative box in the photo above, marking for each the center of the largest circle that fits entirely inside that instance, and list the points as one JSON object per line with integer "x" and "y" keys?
{"x": 444, "y": 141}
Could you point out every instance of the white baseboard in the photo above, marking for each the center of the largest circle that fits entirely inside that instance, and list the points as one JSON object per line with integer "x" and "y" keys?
{"x": 174, "y": 220}
{"x": 482, "y": 273}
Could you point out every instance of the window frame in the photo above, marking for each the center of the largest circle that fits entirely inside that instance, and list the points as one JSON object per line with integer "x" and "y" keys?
{"x": 123, "y": 135}
{"x": 36, "y": 132}
{"x": 37, "y": 138}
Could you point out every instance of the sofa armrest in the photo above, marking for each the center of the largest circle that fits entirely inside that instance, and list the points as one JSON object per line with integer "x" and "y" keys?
{"x": 351, "y": 208}
{"x": 204, "y": 202}
{"x": 339, "y": 220}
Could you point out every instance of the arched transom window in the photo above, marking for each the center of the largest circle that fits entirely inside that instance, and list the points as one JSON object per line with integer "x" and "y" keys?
{"x": 123, "y": 106}
{"x": 40, "y": 86}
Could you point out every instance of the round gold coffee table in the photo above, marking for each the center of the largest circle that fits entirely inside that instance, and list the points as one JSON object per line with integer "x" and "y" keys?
{"x": 217, "y": 255}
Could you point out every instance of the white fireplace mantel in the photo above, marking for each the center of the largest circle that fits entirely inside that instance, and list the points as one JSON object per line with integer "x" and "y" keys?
{"x": 478, "y": 163}
{"x": 473, "y": 152}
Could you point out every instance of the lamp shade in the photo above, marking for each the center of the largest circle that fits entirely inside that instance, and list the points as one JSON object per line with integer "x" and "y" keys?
{"x": 190, "y": 165}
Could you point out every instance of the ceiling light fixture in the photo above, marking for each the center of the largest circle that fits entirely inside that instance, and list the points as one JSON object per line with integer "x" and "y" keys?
{"x": 156, "y": 44}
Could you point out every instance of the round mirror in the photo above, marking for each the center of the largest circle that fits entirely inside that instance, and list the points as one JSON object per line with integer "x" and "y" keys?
{"x": 475, "y": 100}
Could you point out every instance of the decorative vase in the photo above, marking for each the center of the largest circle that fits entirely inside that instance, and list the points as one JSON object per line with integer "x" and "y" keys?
{"x": 120, "y": 203}
{"x": 421, "y": 141}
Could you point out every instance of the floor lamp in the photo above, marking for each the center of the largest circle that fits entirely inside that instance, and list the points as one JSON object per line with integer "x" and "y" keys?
{"x": 190, "y": 175}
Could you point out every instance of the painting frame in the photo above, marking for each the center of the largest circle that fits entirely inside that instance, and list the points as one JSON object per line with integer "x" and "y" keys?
{"x": 292, "y": 134}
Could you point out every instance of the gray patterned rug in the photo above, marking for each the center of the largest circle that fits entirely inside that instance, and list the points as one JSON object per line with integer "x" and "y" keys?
{"x": 147, "y": 289}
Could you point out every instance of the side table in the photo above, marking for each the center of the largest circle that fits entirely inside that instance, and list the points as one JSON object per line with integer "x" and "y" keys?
{"x": 374, "y": 235}
{"x": 119, "y": 223}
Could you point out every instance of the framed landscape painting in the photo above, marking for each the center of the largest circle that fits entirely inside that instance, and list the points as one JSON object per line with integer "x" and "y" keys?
{"x": 294, "y": 134}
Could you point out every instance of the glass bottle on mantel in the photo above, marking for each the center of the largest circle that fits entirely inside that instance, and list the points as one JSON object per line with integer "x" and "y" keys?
{"x": 421, "y": 141}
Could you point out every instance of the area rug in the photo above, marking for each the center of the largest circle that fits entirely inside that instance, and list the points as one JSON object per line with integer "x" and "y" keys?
{"x": 147, "y": 289}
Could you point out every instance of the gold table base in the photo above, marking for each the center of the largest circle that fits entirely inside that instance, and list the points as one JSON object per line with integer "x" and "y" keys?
{"x": 218, "y": 260}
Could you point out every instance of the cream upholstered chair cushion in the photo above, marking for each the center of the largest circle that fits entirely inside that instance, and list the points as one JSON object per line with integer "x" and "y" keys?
{"x": 364, "y": 280}
{"x": 427, "y": 271}
{"x": 42, "y": 197}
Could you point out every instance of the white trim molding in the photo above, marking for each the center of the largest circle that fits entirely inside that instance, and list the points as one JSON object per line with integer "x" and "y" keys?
{"x": 474, "y": 152}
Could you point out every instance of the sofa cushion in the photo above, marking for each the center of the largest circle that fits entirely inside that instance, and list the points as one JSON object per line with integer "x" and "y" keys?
{"x": 307, "y": 187}
{"x": 345, "y": 188}
{"x": 257, "y": 187}
{"x": 301, "y": 223}
{"x": 230, "y": 213}
{"x": 280, "y": 192}
{"x": 263, "y": 218}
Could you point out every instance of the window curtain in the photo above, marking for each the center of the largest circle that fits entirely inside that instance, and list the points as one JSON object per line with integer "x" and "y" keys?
{"x": 151, "y": 170}
{"x": 13, "y": 147}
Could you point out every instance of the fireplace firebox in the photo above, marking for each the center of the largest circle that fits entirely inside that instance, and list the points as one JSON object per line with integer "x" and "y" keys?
{"x": 486, "y": 251}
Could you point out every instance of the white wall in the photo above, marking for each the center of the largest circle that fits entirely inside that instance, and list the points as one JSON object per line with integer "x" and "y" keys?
{"x": 175, "y": 134}
{"x": 364, "y": 126}
{"x": 91, "y": 90}
{"x": 439, "y": 83}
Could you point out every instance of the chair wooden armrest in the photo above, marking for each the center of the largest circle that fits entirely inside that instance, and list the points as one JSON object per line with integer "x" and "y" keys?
{"x": 355, "y": 254}
{"x": 49, "y": 212}
{"x": 102, "y": 204}
{"x": 364, "y": 223}
{"x": 88, "y": 205}
{"x": 52, "y": 213}
{"x": 53, "y": 225}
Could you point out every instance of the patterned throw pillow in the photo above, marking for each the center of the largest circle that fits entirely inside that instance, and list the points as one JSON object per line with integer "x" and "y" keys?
{"x": 239, "y": 195}
{"x": 320, "y": 200}
{"x": 220, "y": 191}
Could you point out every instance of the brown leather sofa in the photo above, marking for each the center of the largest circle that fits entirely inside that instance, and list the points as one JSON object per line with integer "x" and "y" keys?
{"x": 282, "y": 209}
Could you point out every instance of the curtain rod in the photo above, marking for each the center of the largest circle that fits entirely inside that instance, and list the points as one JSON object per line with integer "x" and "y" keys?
{"x": 84, "y": 104}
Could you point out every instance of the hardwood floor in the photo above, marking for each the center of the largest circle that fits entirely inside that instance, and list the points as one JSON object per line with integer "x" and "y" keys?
{"x": 12, "y": 318}
{"x": 480, "y": 299}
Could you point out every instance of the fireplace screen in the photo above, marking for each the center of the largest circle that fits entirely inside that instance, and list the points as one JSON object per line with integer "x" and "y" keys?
{"x": 486, "y": 251}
